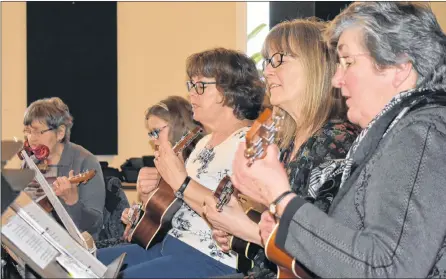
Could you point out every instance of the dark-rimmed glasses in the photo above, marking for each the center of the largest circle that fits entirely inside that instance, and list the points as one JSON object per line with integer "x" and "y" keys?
{"x": 155, "y": 133}
{"x": 275, "y": 60}
{"x": 28, "y": 132}
{"x": 199, "y": 86}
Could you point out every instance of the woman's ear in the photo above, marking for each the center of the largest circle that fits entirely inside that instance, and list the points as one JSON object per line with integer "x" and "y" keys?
{"x": 61, "y": 133}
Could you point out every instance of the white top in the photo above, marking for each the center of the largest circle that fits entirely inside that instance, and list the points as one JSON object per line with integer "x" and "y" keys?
{"x": 207, "y": 167}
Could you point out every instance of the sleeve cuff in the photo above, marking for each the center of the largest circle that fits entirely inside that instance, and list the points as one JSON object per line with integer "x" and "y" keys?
{"x": 290, "y": 210}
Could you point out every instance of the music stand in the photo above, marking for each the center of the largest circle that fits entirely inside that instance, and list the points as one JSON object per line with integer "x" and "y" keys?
{"x": 13, "y": 181}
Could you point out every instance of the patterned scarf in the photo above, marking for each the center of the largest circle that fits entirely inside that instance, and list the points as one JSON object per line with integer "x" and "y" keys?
{"x": 332, "y": 168}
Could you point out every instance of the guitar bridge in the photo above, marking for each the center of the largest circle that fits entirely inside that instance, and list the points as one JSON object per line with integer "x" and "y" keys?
{"x": 224, "y": 193}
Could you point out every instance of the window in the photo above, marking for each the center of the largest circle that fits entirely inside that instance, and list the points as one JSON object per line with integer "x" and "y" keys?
{"x": 257, "y": 14}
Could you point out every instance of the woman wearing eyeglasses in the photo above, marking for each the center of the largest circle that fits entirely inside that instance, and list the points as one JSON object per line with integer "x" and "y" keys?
{"x": 49, "y": 122}
{"x": 166, "y": 122}
{"x": 388, "y": 219}
{"x": 226, "y": 94}
{"x": 316, "y": 135}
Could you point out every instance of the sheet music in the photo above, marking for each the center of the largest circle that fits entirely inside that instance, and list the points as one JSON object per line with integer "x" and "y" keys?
{"x": 61, "y": 238}
{"x": 29, "y": 241}
{"x": 60, "y": 210}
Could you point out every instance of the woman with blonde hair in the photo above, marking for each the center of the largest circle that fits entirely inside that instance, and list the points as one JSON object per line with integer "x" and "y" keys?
{"x": 298, "y": 68}
{"x": 166, "y": 121}
{"x": 387, "y": 220}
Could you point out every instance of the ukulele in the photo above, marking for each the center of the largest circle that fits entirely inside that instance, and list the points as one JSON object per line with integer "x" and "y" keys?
{"x": 159, "y": 209}
{"x": 82, "y": 177}
{"x": 261, "y": 134}
{"x": 287, "y": 266}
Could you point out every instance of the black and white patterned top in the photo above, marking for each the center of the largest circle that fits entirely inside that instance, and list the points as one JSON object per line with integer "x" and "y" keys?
{"x": 208, "y": 167}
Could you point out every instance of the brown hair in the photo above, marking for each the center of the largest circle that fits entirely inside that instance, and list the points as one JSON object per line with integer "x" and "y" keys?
{"x": 303, "y": 38}
{"x": 178, "y": 114}
{"x": 236, "y": 77}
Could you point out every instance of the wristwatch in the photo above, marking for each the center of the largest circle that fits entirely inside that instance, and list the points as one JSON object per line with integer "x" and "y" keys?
{"x": 180, "y": 193}
{"x": 273, "y": 205}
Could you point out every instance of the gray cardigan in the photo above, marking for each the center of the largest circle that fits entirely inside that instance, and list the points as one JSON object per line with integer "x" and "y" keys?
{"x": 87, "y": 212}
{"x": 388, "y": 220}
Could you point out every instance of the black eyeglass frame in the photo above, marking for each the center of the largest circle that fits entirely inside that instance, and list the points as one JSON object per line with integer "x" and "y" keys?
{"x": 270, "y": 60}
{"x": 190, "y": 84}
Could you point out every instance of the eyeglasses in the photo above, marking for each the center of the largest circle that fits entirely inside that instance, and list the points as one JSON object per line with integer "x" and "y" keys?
{"x": 345, "y": 61}
{"x": 276, "y": 60}
{"x": 155, "y": 133}
{"x": 28, "y": 132}
{"x": 199, "y": 86}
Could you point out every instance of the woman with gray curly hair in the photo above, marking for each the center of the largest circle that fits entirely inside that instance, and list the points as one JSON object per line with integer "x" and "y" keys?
{"x": 387, "y": 219}
{"x": 48, "y": 122}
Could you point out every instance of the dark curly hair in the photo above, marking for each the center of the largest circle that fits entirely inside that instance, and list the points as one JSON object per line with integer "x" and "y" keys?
{"x": 236, "y": 78}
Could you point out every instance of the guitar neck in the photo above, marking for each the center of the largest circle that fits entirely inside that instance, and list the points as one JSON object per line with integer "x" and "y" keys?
{"x": 54, "y": 200}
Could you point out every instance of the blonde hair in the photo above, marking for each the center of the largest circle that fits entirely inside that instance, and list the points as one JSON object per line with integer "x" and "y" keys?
{"x": 302, "y": 38}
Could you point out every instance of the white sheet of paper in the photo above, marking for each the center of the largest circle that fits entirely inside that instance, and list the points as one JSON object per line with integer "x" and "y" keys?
{"x": 63, "y": 238}
{"x": 29, "y": 241}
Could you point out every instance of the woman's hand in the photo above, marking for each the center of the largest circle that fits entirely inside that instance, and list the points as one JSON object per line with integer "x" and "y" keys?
{"x": 266, "y": 225}
{"x": 125, "y": 216}
{"x": 148, "y": 178}
{"x": 222, "y": 239}
{"x": 170, "y": 167}
{"x": 67, "y": 191}
{"x": 230, "y": 220}
{"x": 264, "y": 180}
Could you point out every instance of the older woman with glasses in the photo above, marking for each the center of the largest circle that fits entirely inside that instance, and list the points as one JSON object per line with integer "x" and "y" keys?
{"x": 388, "y": 219}
{"x": 49, "y": 122}
{"x": 226, "y": 94}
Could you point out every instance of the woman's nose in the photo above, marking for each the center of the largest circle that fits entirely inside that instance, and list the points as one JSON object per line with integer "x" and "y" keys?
{"x": 338, "y": 79}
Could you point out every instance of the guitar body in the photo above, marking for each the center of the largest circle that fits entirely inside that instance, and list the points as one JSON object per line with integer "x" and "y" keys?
{"x": 161, "y": 206}
{"x": 245, "y": 250}
{"x": 286, "y": 265}
{"x": 156, "y": 220}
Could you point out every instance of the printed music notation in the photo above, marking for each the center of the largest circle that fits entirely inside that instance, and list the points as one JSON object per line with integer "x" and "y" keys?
{"x": 29, "y": 241}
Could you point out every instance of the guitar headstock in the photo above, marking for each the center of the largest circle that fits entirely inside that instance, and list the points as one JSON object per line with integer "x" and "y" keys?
{"x": 186, "y": 140}
{"x": 83, "y": 176}
{"x": 41, "y": 151}
{"x": 261, "y": 134}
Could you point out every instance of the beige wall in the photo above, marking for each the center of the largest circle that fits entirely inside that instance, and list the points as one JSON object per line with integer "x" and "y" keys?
{"x": 439, "y": 9}
{"x": 13, "y": 70}
{"x": 154, "y": 39}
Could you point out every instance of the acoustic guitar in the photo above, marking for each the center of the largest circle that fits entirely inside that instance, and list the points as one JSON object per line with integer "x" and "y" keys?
{"x": 160, "y": 207}
{"x": 261, "y": 134}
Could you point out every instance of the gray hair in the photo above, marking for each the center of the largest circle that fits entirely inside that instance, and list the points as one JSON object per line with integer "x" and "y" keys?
{"x": 51, "y": 111}
{"x": 397, "y": 32}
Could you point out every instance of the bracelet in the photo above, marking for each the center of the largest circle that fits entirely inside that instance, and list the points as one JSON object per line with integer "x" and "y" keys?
{"x": 180, "y": 193}
{"x": 273, "y": 205}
